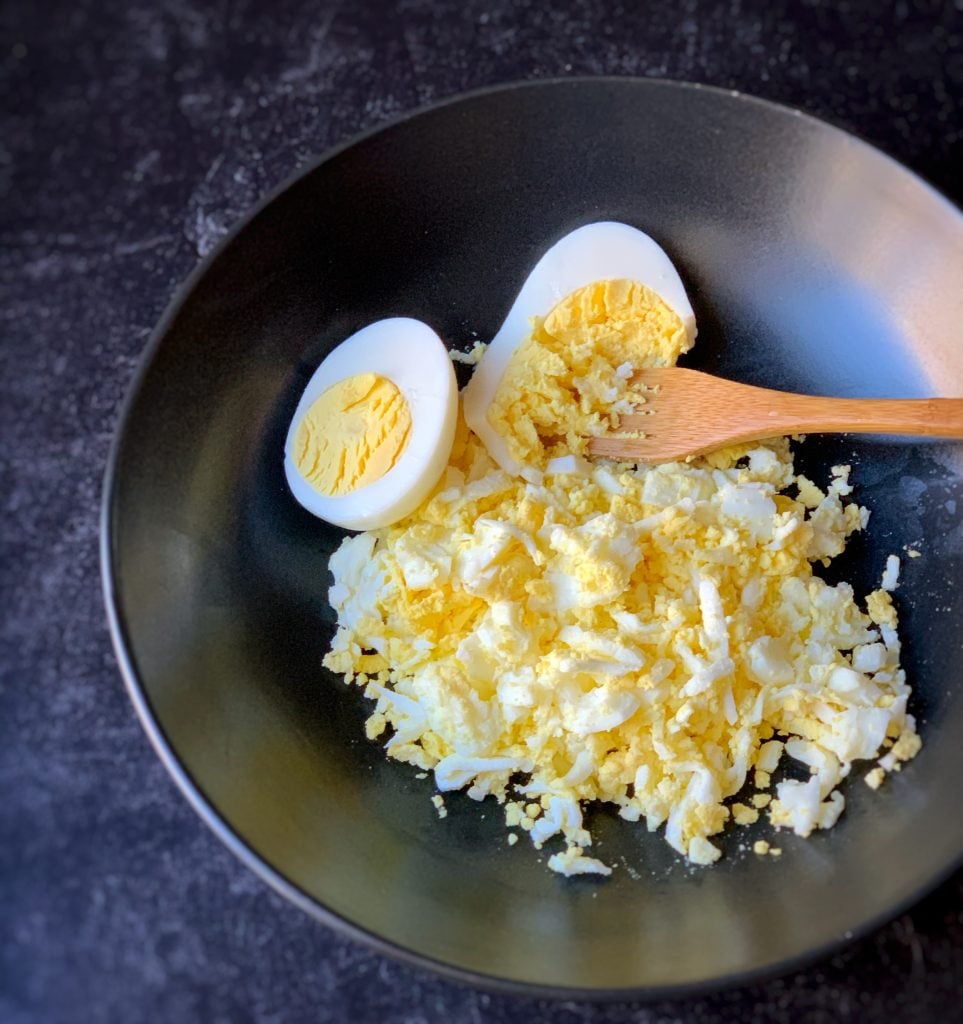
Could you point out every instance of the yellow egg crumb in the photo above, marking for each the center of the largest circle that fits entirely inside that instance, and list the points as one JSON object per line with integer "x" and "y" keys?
{"x": 907, "y": 746}
{"x": 514, "y": 813}
{"x": 809, "y": 494}
{"x": 573, "y": 376}
{"x": 650, "y": 638}
{"x": 471, "y": 357}
{"x": 574, "y": 862}
{"x": 512, "y": 838}
{"x": 760, "y": 847}
{"x": 879, "y": 605}
{"x": 375, "y": 726}
{"x": 439, "y": 803}
{"x": 875, "y": 777}
{"x": 743, "y": 815}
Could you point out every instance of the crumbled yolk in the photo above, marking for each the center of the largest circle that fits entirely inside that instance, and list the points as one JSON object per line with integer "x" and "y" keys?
{"x": 571, "y": 378}
{"x": 352, "y": 434}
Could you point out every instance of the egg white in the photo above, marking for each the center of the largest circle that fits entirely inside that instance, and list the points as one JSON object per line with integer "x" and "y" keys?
{"x": 606, "y": 250}
{"x": 412, "y": 356}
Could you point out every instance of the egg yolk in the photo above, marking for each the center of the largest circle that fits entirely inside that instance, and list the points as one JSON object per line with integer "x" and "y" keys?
{"x": 352, "y": 434}
{"x": 571, "y": 378}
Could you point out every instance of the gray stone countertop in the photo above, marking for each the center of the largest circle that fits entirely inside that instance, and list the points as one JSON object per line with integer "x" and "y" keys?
{"x": 132, "y": 135}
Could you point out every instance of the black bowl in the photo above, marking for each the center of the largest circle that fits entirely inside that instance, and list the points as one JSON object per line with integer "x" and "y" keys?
{"x": 814, "y": 263}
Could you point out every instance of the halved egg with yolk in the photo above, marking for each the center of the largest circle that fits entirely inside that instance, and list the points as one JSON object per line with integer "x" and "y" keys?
{"x": 603, "y": 302}
{"x": 373, "y": 430}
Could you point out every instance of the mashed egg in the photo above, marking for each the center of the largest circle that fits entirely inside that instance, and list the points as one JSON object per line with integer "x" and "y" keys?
{"x": 374, "y": 426}
{"x": 651, "y": 638}
{"x": 655, "y": 639}
{"x": 603, "y": 302}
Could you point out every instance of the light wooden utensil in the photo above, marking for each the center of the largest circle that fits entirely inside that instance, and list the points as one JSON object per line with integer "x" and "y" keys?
{"x": 692, "y": 413}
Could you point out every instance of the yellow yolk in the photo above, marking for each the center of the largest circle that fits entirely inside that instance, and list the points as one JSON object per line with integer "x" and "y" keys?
{"x": 352, "y": 435}
{"x": 572, "y": 377}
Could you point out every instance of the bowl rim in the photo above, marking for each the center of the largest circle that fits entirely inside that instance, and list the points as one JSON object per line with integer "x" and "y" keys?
{"x": 191, "y": 789}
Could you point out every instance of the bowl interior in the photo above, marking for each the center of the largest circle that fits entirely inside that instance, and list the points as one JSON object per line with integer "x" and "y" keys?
{"x": 813, "y": 262}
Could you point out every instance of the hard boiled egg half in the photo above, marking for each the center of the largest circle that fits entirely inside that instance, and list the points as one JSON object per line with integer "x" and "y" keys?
{"x": 603, "y": 302}
{"x": 373, "y": 430}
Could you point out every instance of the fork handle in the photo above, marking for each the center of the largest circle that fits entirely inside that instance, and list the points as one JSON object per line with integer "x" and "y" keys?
{"x": 806, "y": 414}
{"x": 743, "y": 413}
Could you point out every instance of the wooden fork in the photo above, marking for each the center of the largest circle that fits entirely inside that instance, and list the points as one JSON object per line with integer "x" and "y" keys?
{"x": 692, "y": 413}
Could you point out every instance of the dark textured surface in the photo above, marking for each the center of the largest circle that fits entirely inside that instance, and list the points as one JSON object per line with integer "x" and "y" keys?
{"x": 132, "y": 136}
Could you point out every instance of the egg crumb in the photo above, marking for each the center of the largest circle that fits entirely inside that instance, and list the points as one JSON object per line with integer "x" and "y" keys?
{"x": 701, "y": 851}
{"x": 439, "y": 803}
{"x": 646, "y": 637}
{"x": 907, "y": 746}
{"x": 471, "y": 357}
{"x": 743, "y": 815}
{"x": 572, "y": 377}
{"x": 879, "y": 605}
{"x": 874, "y": 778}
{"x": 890, "y": 578}
{"x": 375, "y": 726}
{"x": 809, "y": 494}
{"x": 514, "y": 813}
{"x": 760, "y": 847}
{"x": 512, "y": 838}
{"x": 574, "y": 862}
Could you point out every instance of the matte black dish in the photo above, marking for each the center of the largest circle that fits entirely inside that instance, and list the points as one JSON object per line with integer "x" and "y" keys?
{"x": 813, "y": 262}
